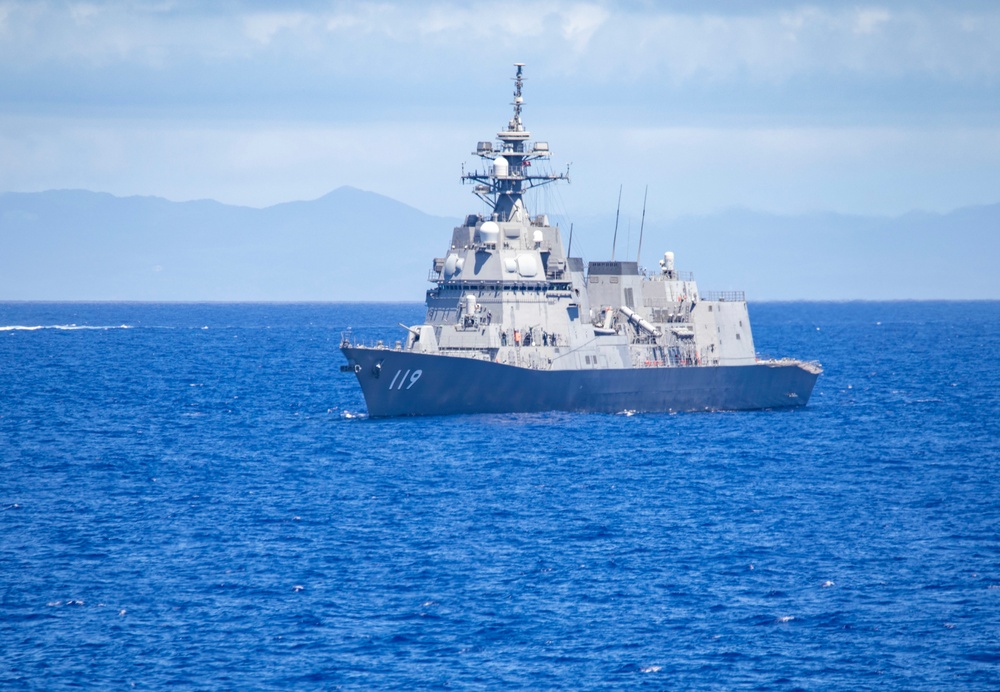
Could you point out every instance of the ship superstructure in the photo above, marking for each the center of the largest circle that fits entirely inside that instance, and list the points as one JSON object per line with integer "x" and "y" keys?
{"x": 515, "y": 324}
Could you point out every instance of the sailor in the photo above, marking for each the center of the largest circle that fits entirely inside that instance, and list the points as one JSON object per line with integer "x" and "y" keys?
{"x": 489, "y": 317}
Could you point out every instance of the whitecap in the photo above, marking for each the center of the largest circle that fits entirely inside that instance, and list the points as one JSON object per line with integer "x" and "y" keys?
{"x": 60, "y": 327}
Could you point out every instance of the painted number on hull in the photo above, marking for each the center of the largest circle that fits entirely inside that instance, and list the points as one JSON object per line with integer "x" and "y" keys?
{"x": 403, "y": 380}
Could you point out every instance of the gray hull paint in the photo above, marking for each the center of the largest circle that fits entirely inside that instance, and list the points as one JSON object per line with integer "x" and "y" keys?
{"x": 448, "y": 385}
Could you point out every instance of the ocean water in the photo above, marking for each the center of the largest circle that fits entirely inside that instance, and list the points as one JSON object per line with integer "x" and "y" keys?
{"x": 191, "y": 497}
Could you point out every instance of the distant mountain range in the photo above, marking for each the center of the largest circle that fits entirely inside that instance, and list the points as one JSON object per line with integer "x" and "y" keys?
{"x": 352, "y": 245}
{"x": 920, "y": 256}
{"x": 349, "y": 245}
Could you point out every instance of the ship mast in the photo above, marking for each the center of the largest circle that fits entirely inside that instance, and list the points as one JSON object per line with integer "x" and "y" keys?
{"x": 508, "y": 175}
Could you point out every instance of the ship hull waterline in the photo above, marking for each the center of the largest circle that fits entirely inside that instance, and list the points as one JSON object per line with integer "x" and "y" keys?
{"x": 404, "y": 383}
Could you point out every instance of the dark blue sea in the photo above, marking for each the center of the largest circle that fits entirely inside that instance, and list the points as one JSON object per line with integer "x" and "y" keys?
{"x": 192, "y": 497}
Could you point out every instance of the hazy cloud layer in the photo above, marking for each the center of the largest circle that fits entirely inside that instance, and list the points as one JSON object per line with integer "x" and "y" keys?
{"x": 773, "y": 43}
{"x": 872, "y": 107}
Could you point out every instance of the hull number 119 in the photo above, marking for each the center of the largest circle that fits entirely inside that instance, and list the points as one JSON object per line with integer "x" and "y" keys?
{"x": 404, "y": 381}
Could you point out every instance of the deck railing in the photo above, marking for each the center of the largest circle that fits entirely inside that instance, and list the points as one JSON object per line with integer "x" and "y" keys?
{"x": 724, "y": 296}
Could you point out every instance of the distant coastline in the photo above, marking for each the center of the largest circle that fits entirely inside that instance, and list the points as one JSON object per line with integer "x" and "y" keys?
{"x": 75, "y": 245}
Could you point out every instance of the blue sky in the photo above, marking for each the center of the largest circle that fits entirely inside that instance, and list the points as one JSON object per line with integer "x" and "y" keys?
{"x": 866, "y": 108}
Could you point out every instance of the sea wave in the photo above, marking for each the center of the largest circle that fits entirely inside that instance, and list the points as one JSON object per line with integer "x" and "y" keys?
{"x": 61, "y": 327}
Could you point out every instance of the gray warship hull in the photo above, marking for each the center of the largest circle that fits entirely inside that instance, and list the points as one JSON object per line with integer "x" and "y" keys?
{"x": 401, "y": 383}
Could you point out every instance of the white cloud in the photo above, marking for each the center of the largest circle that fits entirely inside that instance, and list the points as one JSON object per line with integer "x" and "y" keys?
{"x": 262, "y": 26}
{"x": 84, "y": 13}
{"x": 582, "y": 38}
{"x": 426, "y": 66}
{"x": 252, "y": 164}
{"x": 868, "y": 20}
{"x": 778, "y": 45}
{"x": 581, "y": 22}
{"x": 689, "y": 170}
{"x": 848, "y": 169}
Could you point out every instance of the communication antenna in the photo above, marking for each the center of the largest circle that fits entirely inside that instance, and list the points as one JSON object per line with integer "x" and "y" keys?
{"x": 518, "y": 100}
{"x": 642, "y": 224}
{"x": 569, "y": 250}
{"x": 614, "y": 240}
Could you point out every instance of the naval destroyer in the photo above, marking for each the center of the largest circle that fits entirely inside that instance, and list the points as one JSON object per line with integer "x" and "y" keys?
{"x": 516, "y": 324}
